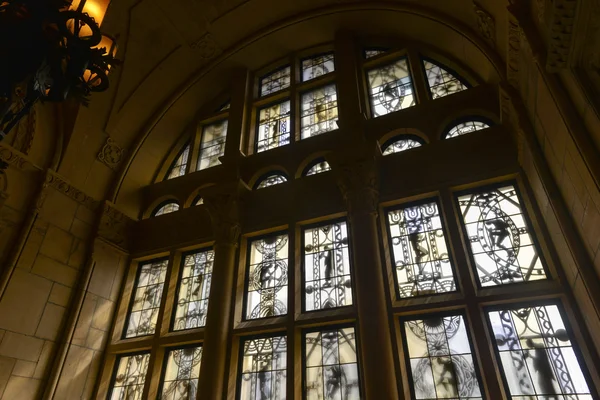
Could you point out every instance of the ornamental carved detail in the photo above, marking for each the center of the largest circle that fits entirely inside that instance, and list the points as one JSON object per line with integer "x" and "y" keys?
{"x": 15, "y": 158}
{"x": 486, "y": 24}
{"x": 515, "y": 35}
{"x": 225, "y": 210}
{"x": 56, "y": 182}
{"x": 111, "y": 154}
{"x": 114, "y": 226}
{"x": 207, "y": 47}
{"x": 561, "y": 21}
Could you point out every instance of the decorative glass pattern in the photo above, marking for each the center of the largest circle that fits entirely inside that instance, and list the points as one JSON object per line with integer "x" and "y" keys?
{"x": 317, "y": 168}
{"x": 390, "y": 88}
{"x": 370, "y": 53}
{"x": 319, "y": 111}
{"x": 327, "y": 280}
{"x": 536, "y": 354}
{"x": 271, "y": 180}
{"x": 420, "y": 251}
{"x": 441, "y": 82}
{"x": 440, "y": 359}
{"x": 273, "y": 126}
{"x": 166, "y": 209}
{"x": 266, "y": 288}
{"x": 317, "y": 66}
{"x": 212, "y": 145}
{"x": 130, "y": 377}
{"x": 180, "y": 380}
{"x": 180, "y": 165}
{"x": 401, "y": 145}
{"x": 330, "y": 365}
{"x": 466, "y": 127}
{"x": 263, "y": 370}
{"x": 275, "y": 81}
{"x": 194, "y": 288}
{"x": 146, "y": 299}
{"x": 501, "y": 245}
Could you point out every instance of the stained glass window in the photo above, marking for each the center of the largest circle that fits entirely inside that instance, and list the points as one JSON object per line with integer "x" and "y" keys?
{"x": 420, "y": 251}
{"x": 271, "y": 180}
{"x": 327, "y": 281}
{"x": 536, "y": 354}
{"x": 129, "y": 377}
{"x": 212, "y": 145}
{"x": 466, "y": 127}
{"x": 330, "y": 365}
{"x": 146, "y": 298}
{"x": 318, "y": 167}
{"x": 263, "y": 368}
{"x": 370, "y": 53}
{"x": 440, "y": 358}
{"x": 266, "y": 288}
{"x": 390, "y": 88}
{"x": 179, "y": 167}
{"x": 441, "y": 81}
{"x": 501, "y": 245}
{"x": 194, "y": 288}
{"x": 398, "y": 145}
{"x": 180, "y": 379}
{"x": 319, "y": 111}
{"x": 317, "y": 66}
{"x": 166, "y": 209}
{"x": 275, "y": 81}
{"x": 273, "y": 126}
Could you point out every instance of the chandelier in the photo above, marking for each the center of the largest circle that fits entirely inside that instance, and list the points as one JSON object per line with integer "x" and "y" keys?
{"x": 51, "y": 49}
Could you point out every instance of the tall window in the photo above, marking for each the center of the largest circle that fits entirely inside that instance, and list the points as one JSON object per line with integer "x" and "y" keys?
{"x": 319, "y": 111}
{"x": 390, "y": 88}
{"x": 212, "y": 145}
{"x": 273, "y": 126}
{"x": 263, "y": 368}
{"x": 181, "y": 373}
{"x": 179, "y": 167}
{"x": 130, "y": 376}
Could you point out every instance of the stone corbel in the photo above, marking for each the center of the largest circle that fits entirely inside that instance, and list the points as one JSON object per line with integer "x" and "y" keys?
{"x": 115, "y": 227}
{"x": 225, "y": 205}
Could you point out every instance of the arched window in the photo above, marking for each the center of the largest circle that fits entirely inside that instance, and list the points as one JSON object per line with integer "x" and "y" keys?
{"x": 271, "y": 179}
{"x": 316, "y": 167}
{"x": 465, "y": 127}
{"x": 165, "y": 208}
{"x": 179, "y": 167}
{"x": 401, "y": 143}
{"x": 442, "y": 82}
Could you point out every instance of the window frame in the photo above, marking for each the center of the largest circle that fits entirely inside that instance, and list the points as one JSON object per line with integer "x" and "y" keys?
{"x": 318, "y": 85}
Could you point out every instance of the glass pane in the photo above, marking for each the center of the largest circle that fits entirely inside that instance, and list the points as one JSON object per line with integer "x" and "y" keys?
{"x": 420, "y": 251}
{"x": 166, "y": 209}
{"x": 440, "y": 359}
{"x": 264, "y": 369}
{"x": 271, "y": 180}
{"x": 536, "y": 354}
{"x": 401, "y": 145}
{"x": 390, "y": 88}
{"x": 266, "y": 290}
{"x": 317, "y": 66}
{"x": 441, "y": 82}
{"x": 499, "y": 237}
{"x": 130, "y": 377}
{"x": 225, "y": 106}
{"x": 180, "y": 379}
{"x": 330, "y": 365}
{"x": 275, "y": 82}
{"x": 273, "y": 126}
{"x": 146, "y": 298}
{"x": 319, "y": 111}
{"x": 319, "y": 167}
{"x": 327, "y": 281}
{"x": 370, "y": 53}
{"x": 194, "y": 288}
{"x": 179, "y": 168}
{"x": 212, "y": 145}
{"x": 466, "y": 127}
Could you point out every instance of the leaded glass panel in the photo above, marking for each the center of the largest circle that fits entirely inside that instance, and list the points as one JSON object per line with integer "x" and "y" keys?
{"x": 420, "y": 251}
{"x": 370, "y": 53}
{"x": 194, "y": 288}
{"x": 330, "y": 365}
{"x": 146, "y": 298}
{"x": 212, "y": 145}
{"x": 390, "y": 88}
{"x": 466, "y": 127}
{"x": 319, "y": 111}
{"x": 166, "y": 209}
{"x": 130, "y": 377}
{"x": 441, "y": 82}
{"x": 401, "y": 145}
{"x": 271, "y": 180}
{"x": 273, "y": 126}
{"x": 327, "y": 280}
{"x": 499, "y": 237}
{"x": 317, "y": 66}
{"x": 275, "y": 81}
{"x": 536, "y": 354}
{"x": 266, "y": 288}
{"x": 182, "y": 371}
{"x": 179, "y": 167}
{"x": 263, "y": 369}
{"x": 317, "y": 168}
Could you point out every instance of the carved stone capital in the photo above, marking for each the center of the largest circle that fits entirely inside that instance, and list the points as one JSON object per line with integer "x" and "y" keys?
{"x": 114, "y": 226}
{"x": 225, "y": 207}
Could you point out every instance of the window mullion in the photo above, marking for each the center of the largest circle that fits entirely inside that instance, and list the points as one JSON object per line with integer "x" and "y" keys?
{"x": 420, "y": 85}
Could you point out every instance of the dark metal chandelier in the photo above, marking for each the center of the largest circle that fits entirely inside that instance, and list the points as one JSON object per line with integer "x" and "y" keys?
{"x": 51, "y": 49}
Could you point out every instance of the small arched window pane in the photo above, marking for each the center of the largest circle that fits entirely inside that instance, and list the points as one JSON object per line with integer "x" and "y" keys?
{"x": 273, "y": 126}
{"x": 401, "y": 145}
{"x": 370, "y": 53}
{"x": 166, "y": 209}
{"x": 319, "y": 111}
{"x": 316, "y": 66}
{"x": 322, "y": 166}
{"x": 212, "y": 145}
{"x": 199, "y": 201}
{"x": 390, "y": 88}
{"x": 180, "y": 166}
{"x": 466, "y": 127}
{"x": 271, "y": 180}
{"x": 441, "y": 82}
{"x": 275, "y": 81}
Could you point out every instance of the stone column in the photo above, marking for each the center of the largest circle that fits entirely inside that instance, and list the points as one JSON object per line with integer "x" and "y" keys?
{"x": 357, "y": 175}
{"x": 224, "y": 204}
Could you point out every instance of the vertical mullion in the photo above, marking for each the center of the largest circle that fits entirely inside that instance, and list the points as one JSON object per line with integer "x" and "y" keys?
{"x": 292, "y": 340}
{"x": 419, "y": 80}
{"x": 195, "y": 148}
